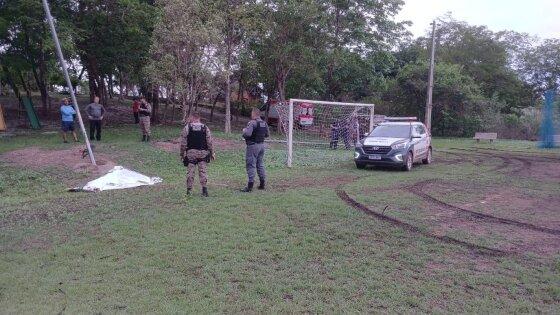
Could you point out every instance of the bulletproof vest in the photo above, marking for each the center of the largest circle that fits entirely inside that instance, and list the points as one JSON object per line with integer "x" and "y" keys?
{"x": 196, "y": 139}
{"x": 143, "y": 113}
{"x": 259, "y": 132}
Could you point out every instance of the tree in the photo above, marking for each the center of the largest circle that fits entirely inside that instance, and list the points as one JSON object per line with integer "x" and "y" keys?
{"x": 183, "y": 49}
{"x": 235, "y": 19}
{"x": 459, "y": 107}
{"x": 112, "y": 37}
{"x": 540, "y": 66}
{"x": 27, "y": 43}
{"x": 291, "y": 36}
{"x": 357, "y": 30}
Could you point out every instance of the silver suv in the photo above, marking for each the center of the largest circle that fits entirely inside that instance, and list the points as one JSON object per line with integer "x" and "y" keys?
{"x": 395, "y": 144}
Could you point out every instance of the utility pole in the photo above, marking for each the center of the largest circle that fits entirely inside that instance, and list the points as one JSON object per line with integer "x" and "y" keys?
{"x": 428, "y": 119}
{"x": 68, "y": 82}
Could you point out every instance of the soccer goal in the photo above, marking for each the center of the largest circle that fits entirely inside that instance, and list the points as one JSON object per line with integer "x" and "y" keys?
{"x": 323, "y": 125}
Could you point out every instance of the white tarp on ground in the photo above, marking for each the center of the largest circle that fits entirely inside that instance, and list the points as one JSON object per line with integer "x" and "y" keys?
{"x": 120, "y": 178}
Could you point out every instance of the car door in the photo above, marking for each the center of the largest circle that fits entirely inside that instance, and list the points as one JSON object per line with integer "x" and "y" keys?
{"x": 421, "y": 147}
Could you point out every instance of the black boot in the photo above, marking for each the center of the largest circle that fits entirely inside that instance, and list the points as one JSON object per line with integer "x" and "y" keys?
{"x": 189, "y": 191}
{"x": 261, "y": 185}
{"x": 204, "y": 192}
{"x": 249, "y": 187}
{"x": 147, "y": 138}
{"x": 143, "y": 138}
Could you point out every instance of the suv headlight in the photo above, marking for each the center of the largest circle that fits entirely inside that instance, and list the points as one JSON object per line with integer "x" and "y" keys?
{"x": 399, "y": 146}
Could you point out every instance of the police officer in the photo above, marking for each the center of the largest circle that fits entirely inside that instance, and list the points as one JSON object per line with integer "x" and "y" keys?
{"x": 254, "y": 134}
{"x": 145, "y": 112}
{"x": 196, "y": 150}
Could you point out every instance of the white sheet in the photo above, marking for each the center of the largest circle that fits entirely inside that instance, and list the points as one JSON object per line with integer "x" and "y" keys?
{"x": 120, "y": 178}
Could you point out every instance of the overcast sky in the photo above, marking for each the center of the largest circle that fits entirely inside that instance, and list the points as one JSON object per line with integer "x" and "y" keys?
{"x": 536, "y": 17}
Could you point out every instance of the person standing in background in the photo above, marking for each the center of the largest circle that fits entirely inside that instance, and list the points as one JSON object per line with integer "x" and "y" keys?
{"x": 95, "y": 112}
{"x": 136, "y": 110}
{"x": 67, "y": 113}
{"x": 145, "y": 112}
{"x": 254, "y": 135}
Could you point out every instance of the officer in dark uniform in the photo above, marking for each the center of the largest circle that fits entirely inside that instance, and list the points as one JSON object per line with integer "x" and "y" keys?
{"x": 196, "y": 150}
{"x": 254, "y": 134}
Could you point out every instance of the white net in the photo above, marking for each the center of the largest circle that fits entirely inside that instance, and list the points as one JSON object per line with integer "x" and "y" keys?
{"x": 324, "y": 125}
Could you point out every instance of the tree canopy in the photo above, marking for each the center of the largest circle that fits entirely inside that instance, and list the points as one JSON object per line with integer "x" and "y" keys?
{"x": 347, "y": 50}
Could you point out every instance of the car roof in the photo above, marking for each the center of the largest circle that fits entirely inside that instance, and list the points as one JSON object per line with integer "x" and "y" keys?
{"x": 401, "y": 123}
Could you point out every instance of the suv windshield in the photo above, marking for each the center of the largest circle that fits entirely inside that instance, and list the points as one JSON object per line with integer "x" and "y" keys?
{"x": 391, "y": 131}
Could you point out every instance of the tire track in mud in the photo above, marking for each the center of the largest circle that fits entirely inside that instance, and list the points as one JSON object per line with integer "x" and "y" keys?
{"x": 460, "y": 158}
{"x": 536, "y": 157}
{"x": 507, "y": 161}
{"x": 483, "y": 250}
{"x": 416, "y": 189}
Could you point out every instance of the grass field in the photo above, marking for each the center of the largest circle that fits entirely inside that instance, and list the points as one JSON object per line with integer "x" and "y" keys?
{"x": 297, "y": 247}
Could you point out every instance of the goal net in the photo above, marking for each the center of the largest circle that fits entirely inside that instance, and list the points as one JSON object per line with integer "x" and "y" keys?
{"x": 323, "y": 125}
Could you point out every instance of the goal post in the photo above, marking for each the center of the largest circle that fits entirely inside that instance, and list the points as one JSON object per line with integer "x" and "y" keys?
{"x": 323, "y": 123}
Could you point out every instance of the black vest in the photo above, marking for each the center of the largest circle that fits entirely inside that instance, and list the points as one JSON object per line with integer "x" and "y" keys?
{"x": 143, "y": 113}
{"x": 196, "y": 139}
{"x": 259, "y": 133}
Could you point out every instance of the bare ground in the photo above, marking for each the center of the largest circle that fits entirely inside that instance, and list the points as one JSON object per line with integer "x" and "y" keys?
{"x": 37, "y": 158}
{"x": 522, "y": 224}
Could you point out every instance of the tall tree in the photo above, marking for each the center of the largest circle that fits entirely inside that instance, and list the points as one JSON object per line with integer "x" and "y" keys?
{"x": 112, "y": 38}
{"x": 292, "y": 34}
{"x": 235, "y": 19}
{"x": 183, "y": 49}
{"x": 27, "y": 43}
{"x": 354, "y": 29}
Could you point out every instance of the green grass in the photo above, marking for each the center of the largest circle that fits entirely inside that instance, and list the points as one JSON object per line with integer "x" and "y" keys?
{"x": 297, "y": 248}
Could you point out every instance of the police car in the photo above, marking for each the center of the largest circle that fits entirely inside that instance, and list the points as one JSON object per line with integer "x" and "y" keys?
{"x": 396, "y": 142}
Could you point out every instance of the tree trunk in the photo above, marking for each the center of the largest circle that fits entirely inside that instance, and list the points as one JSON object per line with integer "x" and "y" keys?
{"x": 11, "y": 83}
{"x": 214, "y": 106}
{"x": 166, "y": 104}
{"x": 155, "y": 103}
{"x": 110, "y": 86}
{"x": 227, "y": 126}
{"x": 24, "y": 85}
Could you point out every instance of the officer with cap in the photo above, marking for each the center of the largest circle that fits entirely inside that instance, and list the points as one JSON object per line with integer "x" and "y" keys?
{"x": 254, "y": 134}
{"x": 196, "y": 150}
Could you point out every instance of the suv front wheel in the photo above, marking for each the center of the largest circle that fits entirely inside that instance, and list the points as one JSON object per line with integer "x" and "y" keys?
{"x": 428, "y": 158}
{"x": 360, "y": 165}
{"x": 408, "y": 162}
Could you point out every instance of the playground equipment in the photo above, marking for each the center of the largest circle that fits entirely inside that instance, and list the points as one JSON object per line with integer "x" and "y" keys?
{"x": 31, "y": 113}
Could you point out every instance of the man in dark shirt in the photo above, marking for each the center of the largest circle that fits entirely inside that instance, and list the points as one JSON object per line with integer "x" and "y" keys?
{"x": 254, "y": 134}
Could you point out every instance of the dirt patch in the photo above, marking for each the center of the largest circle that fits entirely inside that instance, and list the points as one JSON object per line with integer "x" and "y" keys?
{"x": 540, "y": 167}
{"x": 174, "y": 145}
{"x": 547, "y": 171}
{"x": 542, "y": 211}
{"x": 446, "y": 239}
{"x": 417, "y": 189}
{"x": 67, "y": 159}
{"x": 511, "y": 235}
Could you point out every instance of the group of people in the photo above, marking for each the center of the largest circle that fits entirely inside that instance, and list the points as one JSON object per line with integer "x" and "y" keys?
{"x": 346, "y": 129}
{"x": 196, "y": 148}
{"x": 197, "y": 151}
{"x": 96, "y": 112}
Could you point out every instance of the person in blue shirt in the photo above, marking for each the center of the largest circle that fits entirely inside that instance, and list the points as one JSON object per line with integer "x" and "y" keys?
{"x": 67, "y": 113}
